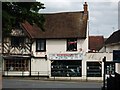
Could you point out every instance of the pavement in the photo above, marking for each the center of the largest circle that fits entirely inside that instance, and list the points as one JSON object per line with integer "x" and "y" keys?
{"x": 49, "y": 84}
{"x": 52, "y": 79}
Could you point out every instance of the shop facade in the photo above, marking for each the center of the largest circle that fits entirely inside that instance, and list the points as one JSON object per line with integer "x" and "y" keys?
{"x": 66, "y": 65}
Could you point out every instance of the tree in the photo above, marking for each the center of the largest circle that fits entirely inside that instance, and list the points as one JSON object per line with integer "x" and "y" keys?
{"x": 14, "y": 13}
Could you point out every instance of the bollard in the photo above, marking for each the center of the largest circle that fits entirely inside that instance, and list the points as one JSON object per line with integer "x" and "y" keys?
{"x": 38, "y": 75}
{"x": 7, "y": 73}
{"x": 54, "y": 77}
{"x": 70, "y": 77}
{"x": 22, "y": 74}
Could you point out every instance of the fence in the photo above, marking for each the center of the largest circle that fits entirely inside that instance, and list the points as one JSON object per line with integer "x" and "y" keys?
{"x": 25, "y": 73}
{"x": 50, "y": 75}
{"x": 41, "y": 74}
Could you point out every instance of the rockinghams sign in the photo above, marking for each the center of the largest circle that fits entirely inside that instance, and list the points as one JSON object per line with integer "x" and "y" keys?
{"x": 75, "y": 56}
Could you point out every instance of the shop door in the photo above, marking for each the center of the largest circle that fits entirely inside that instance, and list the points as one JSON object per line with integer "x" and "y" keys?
{"x": 110, "y": 69}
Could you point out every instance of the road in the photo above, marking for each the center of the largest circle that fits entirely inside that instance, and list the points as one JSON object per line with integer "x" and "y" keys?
{"x": 20, "y": 83}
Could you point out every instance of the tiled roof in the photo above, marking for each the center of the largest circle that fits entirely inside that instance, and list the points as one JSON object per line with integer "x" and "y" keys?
{"x": 114, "y": 38}
{"x": 60, "y": 25}
{"x": 96, "y": 42}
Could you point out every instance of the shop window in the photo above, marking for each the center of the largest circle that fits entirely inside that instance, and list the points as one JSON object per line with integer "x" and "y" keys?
{"x": 72, "y": 44}
{"x": 66, "y": 68}
{"x": 16, "y": 65}
{"x": 41, "y": 45}
{"x": 94, "y": 69}
{"x": 17, "y": 41}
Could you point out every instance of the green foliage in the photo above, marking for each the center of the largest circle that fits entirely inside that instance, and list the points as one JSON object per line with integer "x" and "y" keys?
{"x": 13, "y": 13}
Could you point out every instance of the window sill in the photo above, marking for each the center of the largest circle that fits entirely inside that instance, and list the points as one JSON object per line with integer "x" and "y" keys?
{"x": 71, "y": 50}
{"x": 40, "y": 50}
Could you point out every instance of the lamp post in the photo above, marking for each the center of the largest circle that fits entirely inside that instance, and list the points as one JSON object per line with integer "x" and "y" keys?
{"x": 104, "y": 60}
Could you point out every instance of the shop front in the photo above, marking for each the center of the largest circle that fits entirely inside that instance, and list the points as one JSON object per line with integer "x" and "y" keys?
{"x": 16, "y": 66}
{"x": 66, "y": 65}
{"x": 94, "y": 69}
{"x": 110, "y": 69}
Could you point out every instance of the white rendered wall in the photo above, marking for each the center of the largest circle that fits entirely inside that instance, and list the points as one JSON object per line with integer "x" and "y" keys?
{"x": 110, "y": 48}
{"x": 40, "y": 65}
{"x": 56, "y": 45}
{"x": 113, "y": 47}
{"x": 59, "y": 46}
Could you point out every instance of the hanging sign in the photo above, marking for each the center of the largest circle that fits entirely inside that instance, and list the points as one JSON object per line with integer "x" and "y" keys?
{"x": 76, "y": 56}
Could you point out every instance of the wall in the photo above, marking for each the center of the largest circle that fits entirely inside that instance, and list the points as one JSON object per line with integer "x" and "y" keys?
{"x": 98, "y": 56}
{"x": 40, "y": 66}
{"x": 110, "y": 48}
{"x": 58, "y": 46}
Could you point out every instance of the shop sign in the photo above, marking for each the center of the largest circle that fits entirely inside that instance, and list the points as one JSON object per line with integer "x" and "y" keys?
{"x": 76, "y": 56}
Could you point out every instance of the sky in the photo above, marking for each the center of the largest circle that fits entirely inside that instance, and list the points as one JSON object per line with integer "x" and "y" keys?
{"x": 103, "y": 15}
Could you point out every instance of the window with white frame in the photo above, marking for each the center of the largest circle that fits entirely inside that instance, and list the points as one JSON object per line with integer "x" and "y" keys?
{"x": 72, "y": 44}
{"x": 40, "y": 45}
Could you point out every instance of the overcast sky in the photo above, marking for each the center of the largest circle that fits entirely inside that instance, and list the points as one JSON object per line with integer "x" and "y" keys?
{"x": 103, "y": 16}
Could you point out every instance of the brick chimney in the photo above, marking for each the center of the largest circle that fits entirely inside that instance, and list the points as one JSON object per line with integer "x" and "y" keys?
{"x": 85, "y": 7}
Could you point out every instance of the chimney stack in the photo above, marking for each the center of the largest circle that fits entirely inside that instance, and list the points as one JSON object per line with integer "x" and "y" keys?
{"x": 85, "y": 7}
{"x": 85, "y": 16}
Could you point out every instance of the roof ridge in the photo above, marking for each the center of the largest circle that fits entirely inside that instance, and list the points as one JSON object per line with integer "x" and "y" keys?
{"x": 51, "y": 13}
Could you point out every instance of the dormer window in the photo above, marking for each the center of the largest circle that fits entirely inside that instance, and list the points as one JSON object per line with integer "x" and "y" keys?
{"x": 72, "y": 44}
